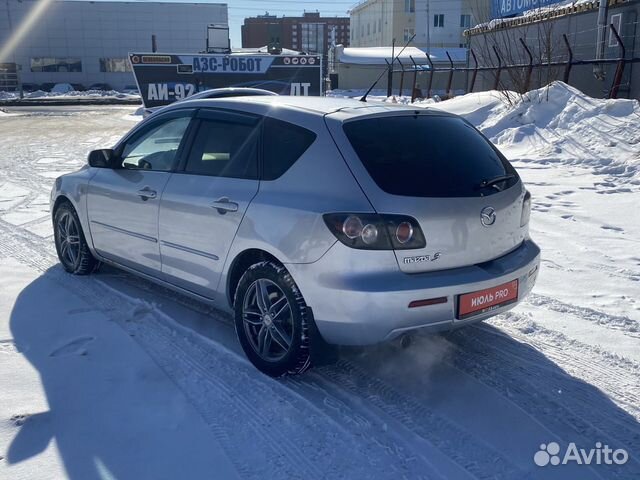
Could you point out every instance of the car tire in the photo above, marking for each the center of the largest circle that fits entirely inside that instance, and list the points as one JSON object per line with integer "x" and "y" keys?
{"x": 71, "y": 245}
{"x": 272, "y": 320}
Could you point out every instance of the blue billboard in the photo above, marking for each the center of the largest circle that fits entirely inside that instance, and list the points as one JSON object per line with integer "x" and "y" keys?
{"x": 509, "y": 8}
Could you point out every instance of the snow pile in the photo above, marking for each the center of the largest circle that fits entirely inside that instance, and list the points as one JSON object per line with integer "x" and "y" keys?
{"x": 68, "y": 94}
{"x": 558, "y": 124}
{"x": 59, "y": 88}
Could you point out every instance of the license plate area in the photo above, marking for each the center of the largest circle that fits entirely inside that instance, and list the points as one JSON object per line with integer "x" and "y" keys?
{"x": 486, "y": 300}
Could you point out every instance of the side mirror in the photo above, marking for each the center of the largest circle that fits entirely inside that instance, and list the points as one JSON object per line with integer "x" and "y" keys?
{"x": 101, "y": 158}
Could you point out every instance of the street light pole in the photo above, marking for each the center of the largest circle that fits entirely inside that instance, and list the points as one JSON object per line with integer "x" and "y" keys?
{"x": 428, "y": 27}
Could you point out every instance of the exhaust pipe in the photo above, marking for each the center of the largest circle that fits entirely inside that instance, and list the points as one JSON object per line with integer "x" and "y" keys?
{"x": 406, "y": 341}
{"x": 598, "y": 68}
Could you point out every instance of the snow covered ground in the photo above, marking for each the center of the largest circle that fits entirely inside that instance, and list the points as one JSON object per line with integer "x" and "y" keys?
{"x": 109, "y": 376}
{"x": 78, "y": 95}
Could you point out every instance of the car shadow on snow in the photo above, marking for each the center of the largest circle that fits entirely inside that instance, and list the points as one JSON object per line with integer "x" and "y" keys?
{"x": 113, "y": 413}
{"x": 476, "y": 395}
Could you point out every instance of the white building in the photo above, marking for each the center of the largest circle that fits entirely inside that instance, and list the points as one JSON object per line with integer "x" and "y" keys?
{"x": 436, "y": 23}
{"x": 86, "y": 42}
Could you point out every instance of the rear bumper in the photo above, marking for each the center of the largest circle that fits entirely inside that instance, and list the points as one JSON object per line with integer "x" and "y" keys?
{"x": 367, "y": 302}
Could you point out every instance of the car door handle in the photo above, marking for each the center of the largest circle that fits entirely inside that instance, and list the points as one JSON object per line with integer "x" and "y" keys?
{"x": 224, "y": 205}
{"x": 146, "y": 193}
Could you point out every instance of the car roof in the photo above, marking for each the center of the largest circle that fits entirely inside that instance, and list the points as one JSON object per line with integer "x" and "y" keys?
{"x": 315, "y": 105}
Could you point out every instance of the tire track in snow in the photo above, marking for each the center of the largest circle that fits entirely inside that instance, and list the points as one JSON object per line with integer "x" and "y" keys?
{"x": 569, "y": 407}
{"x": 370, "y": 426}
{"x": 614, "y": 322}
{"x": 615, "y": 375}
{"x": 623, "y": 273}
{"x": 475, "y": 456}
{"x": 618, "y": 377}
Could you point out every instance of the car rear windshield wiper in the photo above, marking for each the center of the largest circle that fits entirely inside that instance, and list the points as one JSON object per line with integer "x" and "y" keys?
{"x": 494, "y": 181}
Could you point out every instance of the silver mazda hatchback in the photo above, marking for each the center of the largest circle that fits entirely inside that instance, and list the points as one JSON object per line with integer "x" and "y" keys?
{"x": 312, "y": 220}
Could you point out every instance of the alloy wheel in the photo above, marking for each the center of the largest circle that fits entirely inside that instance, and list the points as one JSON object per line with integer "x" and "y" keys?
{"x": 267, "y": 320}
{"x": 68, "y": 238}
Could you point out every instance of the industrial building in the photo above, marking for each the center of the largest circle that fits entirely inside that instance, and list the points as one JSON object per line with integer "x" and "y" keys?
{"x": 82, "y": 42}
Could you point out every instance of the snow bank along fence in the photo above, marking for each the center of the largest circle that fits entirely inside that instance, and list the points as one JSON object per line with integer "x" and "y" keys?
{"x": 529, "y": 52}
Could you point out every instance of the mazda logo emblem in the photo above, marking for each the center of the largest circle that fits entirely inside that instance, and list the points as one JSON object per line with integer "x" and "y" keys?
{"x": 488, "y": 216}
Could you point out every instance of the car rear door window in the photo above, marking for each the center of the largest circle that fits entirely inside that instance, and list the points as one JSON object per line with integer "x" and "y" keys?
{"x": 224, "y": 149}
{"x": 283, "y": 144}
{"x": 428, "y": 156}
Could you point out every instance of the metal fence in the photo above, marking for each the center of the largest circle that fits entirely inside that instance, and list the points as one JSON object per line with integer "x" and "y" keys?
{"x": 464, "y": 79}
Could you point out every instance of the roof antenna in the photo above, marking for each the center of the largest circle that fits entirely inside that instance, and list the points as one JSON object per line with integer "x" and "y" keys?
{"x": 390, "y": 65}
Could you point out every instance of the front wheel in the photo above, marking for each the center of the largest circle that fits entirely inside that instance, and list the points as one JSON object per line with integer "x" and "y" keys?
{"x": 71, "y": 245}
{"x": 271, "y": 320}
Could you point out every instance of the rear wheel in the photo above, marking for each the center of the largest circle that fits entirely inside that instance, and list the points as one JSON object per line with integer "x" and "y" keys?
{"x": 71, "y": 245}
{"x": 271, "y": 320}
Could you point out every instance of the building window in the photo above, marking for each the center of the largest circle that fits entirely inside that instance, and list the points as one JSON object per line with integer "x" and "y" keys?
{"x": 438, "y": 20}
{"x": 56, "y": 64}
{"x": 114, "y": 65}
{"x": 616, "y": 21}
{"x": 380, "y": 25}
{"x": 368, "y": 29}
{"x": 409, "y": 6}
{"x": 408, "y": 33}
{"x": 465, "y": 21}
{"x": 312, "y": 38}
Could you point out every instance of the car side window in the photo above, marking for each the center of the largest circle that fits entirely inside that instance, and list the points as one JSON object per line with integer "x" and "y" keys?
{"x": 224, "y": 149}
{"x": 283, "y": 144}
{"x": 155, "y": 149}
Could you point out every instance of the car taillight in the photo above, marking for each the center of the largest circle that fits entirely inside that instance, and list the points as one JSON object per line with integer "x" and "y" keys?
{"x": 368, "y": 231}
{"x": 526, "y": 209}
{"x": 404, "y": 232}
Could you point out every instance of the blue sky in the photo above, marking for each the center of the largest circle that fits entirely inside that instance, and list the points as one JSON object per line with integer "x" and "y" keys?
{"x": 239, "y": 9}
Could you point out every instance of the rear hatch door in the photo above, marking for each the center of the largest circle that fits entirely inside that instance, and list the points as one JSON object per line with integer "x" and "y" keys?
{"x": 432, "y": 167}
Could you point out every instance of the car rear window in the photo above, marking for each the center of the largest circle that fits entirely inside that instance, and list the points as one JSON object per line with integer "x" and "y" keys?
{"x": 283, "y": 144}
{"x": 427, "y": 156}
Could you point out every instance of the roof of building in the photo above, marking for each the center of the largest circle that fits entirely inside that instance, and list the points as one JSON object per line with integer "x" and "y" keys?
{"x": 382, "y": 55}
